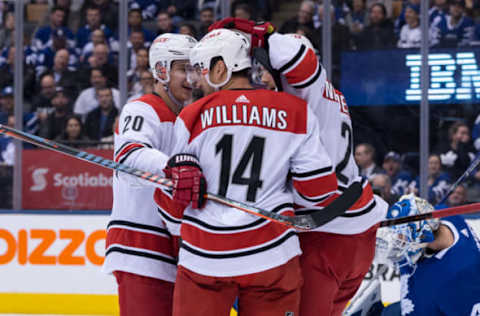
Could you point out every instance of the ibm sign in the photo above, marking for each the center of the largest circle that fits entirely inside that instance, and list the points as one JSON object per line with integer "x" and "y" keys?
{"x": 452, "y": 77}
{"x": 392, "y": 77}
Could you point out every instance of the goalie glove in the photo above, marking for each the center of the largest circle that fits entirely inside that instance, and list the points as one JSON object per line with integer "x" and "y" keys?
{"x": 256, "y": 32}
{"x": 189, "y": 184}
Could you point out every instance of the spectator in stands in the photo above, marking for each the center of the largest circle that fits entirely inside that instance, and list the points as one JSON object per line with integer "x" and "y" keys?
{"x": 365, "y": 159}
{"x": 400, "y": 21}
{"x": 7, "y": 30}
{"x": 382, "y": 186}
{"x": 134, "y": 75}
{"x": 379, "y": 32}
{"x": 456, "y": 155}
{"x": 63, "y": 76}
{"x": 47, "y": 55}
{"x": 454, "y": 30}
{"x": 438, "y": 181}
{"x": 188, "y": 29}
{"x": 164, "y": 24}
{"x": 135, "y": 44}
{"x": 100, "y": 121}
{"x": 7, "y": 104}
{"x": 87, "y": 100}
{"x": 97, "y": 37}
{"x": 243, "y": 11}
{"x": 438, "y": 11}
{"x": 145, "y": 84}
{"x": 387, "y": 4}
{"x": 457, "y": 197}
{"x": 94, "y": 22}
{"x": 42, "y": 102}
{"x": 72, "y": 14}
{"x": 109, "y": 9}
{"x": 43, "y": 38}
{"x": 207, "y": 17}
{"x": 101, "y": 58}
{"x": 392, "y": 164}
{"x": 149, "y": 8}
{"x": 410, "y": 33}
{"x": 73, "y": 133}
{"x": 135, "y": 24}
{"x": 7, "y": 148}
{"x": 304, "y": 17}
{"x": 357, "y": 20}
{"x": 182, "y": 10}
{"x": 53, "y": 125}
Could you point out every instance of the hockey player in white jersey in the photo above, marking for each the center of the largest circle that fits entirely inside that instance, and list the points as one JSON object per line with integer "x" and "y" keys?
{"x": 140, "y": 251}
{"x": 331, "y": 276}
{"x": 247, "y": 142}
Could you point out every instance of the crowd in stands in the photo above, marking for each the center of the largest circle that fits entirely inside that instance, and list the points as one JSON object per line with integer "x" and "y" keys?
{"x": 71, "y": 65}
{"x": 446, "y": 163}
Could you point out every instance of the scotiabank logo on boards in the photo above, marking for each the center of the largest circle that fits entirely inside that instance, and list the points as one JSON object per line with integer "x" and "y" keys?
{"x": 55, "y": 181}
{"x": 41, "y": 247}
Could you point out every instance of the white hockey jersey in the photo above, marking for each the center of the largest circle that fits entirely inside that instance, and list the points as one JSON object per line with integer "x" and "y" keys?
{"x": 304, "y": 76}
{"x": 247, "y": 142}
{"x": 137, "y": 239}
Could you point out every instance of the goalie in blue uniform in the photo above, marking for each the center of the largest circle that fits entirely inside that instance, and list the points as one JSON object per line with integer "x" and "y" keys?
{"x": 439, "y": 263}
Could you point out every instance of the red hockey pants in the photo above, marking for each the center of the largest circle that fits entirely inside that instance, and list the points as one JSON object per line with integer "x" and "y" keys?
{"x": 140, "y": 295}
{"x": 333, "y": 267}
{"x": 268, "y": 293}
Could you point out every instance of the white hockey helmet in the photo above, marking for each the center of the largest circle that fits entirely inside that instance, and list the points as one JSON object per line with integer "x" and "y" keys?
{"x": 231, "y": 46}
{"x": 165, "y": 49}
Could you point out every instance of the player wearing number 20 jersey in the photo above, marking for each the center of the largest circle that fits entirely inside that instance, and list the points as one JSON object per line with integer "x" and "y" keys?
{"x": 247, "y": 142}
{"x": 333, "y": 274}
{"x": 140, "y": 251}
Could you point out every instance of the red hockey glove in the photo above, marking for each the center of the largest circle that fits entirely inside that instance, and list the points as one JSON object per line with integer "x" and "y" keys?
{"x": 189, "y": 184}
{"x": 257, "y": 31}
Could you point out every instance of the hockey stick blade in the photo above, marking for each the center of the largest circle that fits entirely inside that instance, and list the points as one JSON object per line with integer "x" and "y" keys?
{"x": 303, "y": 222}
{"x": 456, "y": 210}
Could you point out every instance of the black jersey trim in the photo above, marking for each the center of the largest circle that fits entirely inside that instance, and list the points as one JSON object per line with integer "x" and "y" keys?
{"x": 294, "y": 59}
{"x": 129, "y": 153}
{"x": 140, "y": 254}
{"x": 167, "y": 217}
{"x": 239, "y": 253}
{"x": 312, "y": 173}
{"x": 365, "y": 211}
{"x": 233, "y": 228}
{"x": 316, "y": 200}
{"x": 137, "y": 225}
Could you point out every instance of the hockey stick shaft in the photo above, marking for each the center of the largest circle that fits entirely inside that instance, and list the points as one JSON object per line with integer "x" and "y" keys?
{"x": 107, "y": 163}
{"x": 456, "y": 210}
{"x": 465, "y": 175}
{"x": 302, "y": 222}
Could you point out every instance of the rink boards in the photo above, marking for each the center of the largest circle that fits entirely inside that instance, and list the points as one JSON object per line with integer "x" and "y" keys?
{"x": 50, "y": 263}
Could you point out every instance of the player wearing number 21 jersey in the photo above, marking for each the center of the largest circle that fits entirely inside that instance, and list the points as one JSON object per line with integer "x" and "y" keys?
{"x": 333, "y": 275}
{"x": 247, "y": 142}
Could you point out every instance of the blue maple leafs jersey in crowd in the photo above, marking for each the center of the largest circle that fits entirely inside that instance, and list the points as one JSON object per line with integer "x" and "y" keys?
{"x": 400, "y": 182}
{"x": 446, "y": 35}
{"x": 438, "y": 188}
{"x": 448, "y": 283}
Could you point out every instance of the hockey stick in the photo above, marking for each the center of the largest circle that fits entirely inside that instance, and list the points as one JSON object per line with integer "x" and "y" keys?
{"x": 465, "y": 175}
{"x": 303, "y": 222}
{"x": 456, "y": 210}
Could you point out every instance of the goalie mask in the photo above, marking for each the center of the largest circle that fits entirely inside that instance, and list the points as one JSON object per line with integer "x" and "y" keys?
{"x": 405, "y": 244}
{"x": 230, "y": 45}
{"x": 166, "y": 49}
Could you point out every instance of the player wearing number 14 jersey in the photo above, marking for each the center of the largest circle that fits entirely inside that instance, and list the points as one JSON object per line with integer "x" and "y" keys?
{"x": 247, "y": 142}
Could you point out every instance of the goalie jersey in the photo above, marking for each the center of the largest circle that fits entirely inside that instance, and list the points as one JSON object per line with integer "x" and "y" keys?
{"x": 303, "y": 75}
{"x": 247, "y": 142}
{"x": 137, "y": 239}
{"x": 448, "y": 283}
